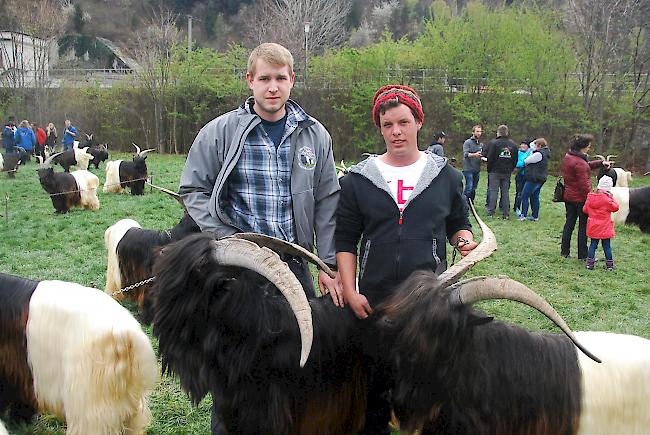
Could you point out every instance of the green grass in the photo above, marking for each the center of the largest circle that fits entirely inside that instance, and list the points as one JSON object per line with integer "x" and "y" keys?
{"x": 38, "y": 244}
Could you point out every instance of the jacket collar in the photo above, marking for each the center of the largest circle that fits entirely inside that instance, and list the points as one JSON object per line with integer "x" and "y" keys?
{"x": 295, "y": 113}
{"x": 368, "y": 169}
{"x": 583, "y": 156}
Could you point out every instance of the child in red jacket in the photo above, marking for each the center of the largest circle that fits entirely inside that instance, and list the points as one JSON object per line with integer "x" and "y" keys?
{"x": 599, "y": 207}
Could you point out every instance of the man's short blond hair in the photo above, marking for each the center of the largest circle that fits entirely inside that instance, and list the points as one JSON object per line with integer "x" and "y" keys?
{"x": 271, "y": 53}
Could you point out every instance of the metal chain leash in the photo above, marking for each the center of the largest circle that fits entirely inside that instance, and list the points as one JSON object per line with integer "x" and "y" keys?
{"x": 460, "y": 241}
{"x": 131, "y": 287}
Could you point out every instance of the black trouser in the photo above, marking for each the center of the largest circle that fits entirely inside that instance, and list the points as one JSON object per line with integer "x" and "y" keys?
{"x": 519, "y": 188}
{"x": 300, "y": 268}
{"x": 574, "y": 213}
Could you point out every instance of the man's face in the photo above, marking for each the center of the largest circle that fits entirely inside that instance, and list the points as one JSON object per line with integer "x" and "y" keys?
{"x": 67, "y": 123}
{"x": 271, "y": 86}
{"x": 400, "y": 131}
{"x": 477, "y": 132}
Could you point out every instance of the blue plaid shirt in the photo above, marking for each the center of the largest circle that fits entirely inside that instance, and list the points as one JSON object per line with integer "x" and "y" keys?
{"x": 259, "y": 187}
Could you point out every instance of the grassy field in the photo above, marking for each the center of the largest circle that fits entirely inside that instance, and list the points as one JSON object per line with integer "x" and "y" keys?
{"x": 38, "y": 244}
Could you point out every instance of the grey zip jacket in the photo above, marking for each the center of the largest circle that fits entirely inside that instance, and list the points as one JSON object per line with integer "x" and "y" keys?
{"x": 314, "y": 184}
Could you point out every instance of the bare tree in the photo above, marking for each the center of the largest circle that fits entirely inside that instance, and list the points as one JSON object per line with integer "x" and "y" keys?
{"x": 609, "y": 36}
{"x": 283, "y": 21}
{"x": 152, "y": 49}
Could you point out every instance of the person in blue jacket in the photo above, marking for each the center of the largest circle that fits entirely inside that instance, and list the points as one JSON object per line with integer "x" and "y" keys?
{"x": 25, "y": 137}
{"x": 8, "y": 141}
{"x": 69, "y": 136}
{"x": 524, "y": 151}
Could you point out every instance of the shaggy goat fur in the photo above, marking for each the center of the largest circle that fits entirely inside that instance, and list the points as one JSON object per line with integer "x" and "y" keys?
{"x": 89, "y": 359}
{"x": 3, "y": 430}
{"x": 228, "y": 331}
{"x": 457, "y": 372}
{"x": 131, "y": 252}
{"x": 634, "y": 207}
{"x": 122, "y": 173}
{"x": 67, "y": 190}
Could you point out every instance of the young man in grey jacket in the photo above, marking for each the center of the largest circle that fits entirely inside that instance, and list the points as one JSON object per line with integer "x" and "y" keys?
{"x": 267, "y": 167}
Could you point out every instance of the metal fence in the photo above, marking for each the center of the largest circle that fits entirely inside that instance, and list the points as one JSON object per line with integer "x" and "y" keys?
{"x": 422, "y": 79}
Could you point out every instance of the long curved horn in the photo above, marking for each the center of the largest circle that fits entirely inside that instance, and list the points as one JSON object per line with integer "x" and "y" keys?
{"x": 482, "y": 288}
{"x": 279, "y": 245}
{"x": 610, "y": 157}
{"x": 47, "y": 162}
{"x": 598, "y": 156}
{"x": 487, "y": 246}
{"x": 88, "y": 137}
{"x": 137, "y": 148}
{"x": 231, "y": 251}
{"x": 174, "y": 195}
{"x": 142, "y": 153}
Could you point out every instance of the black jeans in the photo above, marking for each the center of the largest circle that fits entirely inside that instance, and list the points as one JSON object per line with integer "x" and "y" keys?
{"x": 300, "y": 268}
{"x": 574, "y": 213}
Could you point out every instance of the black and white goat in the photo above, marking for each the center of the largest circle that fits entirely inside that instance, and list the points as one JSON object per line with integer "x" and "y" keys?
{"x": 67, "y": 190}
{"x": 620, "y": 176}
{"x": 634, "y": 207}
{"x": 132, "y": 250}
{"x": 74, "y": 352}
{"x": 121, "y": 173}
{"x": 78, "y": 157}
{"x": 224, "y": 327}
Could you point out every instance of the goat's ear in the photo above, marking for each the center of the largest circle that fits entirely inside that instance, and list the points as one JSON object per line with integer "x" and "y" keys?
{"x": 478, "y": 320}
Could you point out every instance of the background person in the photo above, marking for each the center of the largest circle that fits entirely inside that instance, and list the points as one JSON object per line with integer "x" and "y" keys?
{"x": 599, "y": 207}
{"x": 69, "y": 136}
{"x": 403, "y": 201}
{"x": 501, "y": 154}
{"x": 523, "y": 152}
{"x": 8, "y": 139}
{"x": 535, "y": 176}
{"x": 24, "y": 136}
{"x": 41, "y": 136}
{"x": 52, "y": 138}
{"x": 438, "y": 143}
{"x": 577, "y": 184}
{"x": 472, "y": 154}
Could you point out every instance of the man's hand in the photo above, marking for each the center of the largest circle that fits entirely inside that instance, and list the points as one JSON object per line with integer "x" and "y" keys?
{"x": 467, "y": 247}
{"x": 333, "y": 286}
{"x": 359, "y": 305}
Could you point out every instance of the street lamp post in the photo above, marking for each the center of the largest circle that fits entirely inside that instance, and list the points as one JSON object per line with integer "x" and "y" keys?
{"x": 307, "y": 25}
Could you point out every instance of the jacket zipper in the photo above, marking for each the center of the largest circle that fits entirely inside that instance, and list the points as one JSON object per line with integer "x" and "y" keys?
{"x": 399, "y": 243}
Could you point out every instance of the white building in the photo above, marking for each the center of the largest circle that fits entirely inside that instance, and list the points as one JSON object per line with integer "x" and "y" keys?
{"x": 25, "y": 60}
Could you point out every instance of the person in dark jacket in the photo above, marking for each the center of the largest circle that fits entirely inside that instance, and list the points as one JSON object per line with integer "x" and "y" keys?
{"x": 577, "y": 184}
{"x": 403, "y": 205}
{"x": 535, "y": 176}
{"x": 501, "y": 154}
{"x": 472, "y": 154}
{"x": 51, "y": 139}
{"x": 8, "y": 140}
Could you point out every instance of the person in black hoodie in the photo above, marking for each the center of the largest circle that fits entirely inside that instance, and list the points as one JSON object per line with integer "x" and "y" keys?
{"x": 501, "y": 154}
{"x": 403, "y": 205}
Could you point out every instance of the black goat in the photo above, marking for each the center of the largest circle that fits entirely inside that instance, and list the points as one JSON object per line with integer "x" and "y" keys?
{"x": 99, "y": 155}
{"x": 229, "y": 331}
{"x": 10, "y": 164}
{"x": 121, "y": 173}
{"x": 99, "y": 152}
